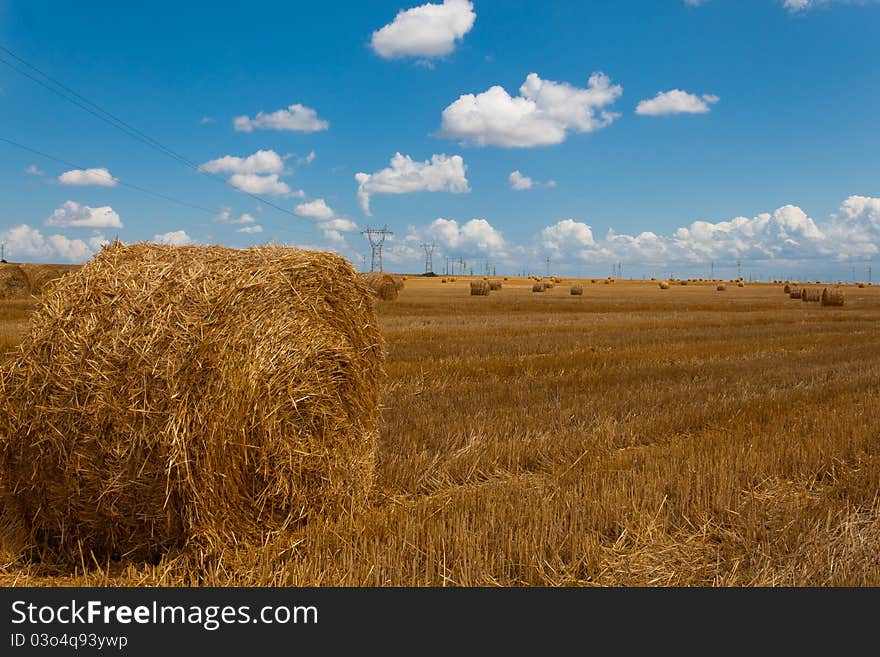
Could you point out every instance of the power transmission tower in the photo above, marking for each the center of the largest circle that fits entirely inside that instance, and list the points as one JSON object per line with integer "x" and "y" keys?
{"x": 712, "y": 271}
{"x": 548, "y": 266}
{"x": 3, "y": 252}
{"x": 869, "y": 274}
{"x": 377, "y": 239}
{"x": 461, "y": 263}
{"x": 429, "y": 257}
{"x": 739, "y": 269}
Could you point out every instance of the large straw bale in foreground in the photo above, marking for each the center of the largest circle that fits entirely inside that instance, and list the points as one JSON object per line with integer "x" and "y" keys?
{"x": 190, "y": 396}
{"x": 479, "y": 288}
{"x": 833, "y": 296}
{"x": 383, "y": 285}
{"x": 13, "y": 282}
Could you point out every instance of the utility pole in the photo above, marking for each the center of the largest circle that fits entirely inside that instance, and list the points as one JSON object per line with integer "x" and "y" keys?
{"x": 461, "y": 263}
{"x": 548, "y": 266}
{"x": 377, "y": 239}
{"x": 712, "y": 271}
{"x": 429, "y": 257}
{"x": 739, "y": 268}
{"x": 2, "y": 251}
{"x": 869, "y": 274}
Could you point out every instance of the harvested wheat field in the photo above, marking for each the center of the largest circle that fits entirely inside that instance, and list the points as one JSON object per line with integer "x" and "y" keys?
{"x": 629, "y": 437}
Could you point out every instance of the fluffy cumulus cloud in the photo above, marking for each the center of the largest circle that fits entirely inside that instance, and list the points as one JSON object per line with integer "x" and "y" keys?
{"x": 474, "y": 236}
{"x": 226, "y": 217}
{"x": 429, "y": 30}
{"x": 854, "y": 231}
{"x": 520, "y": 182}
{"x": 676, "y": 101}
{"x": 543, "y": 113}
{"x": 317, "y": 209}
{"x": 296, "y": 117}
{"x": 267, "y": 161}
{"x": 567, "y": 237}
{"x": 100, "y": 177}
{"x": 253, "y": 183}
{"x": 441, "y": 173}
{"x": 74, "y": 215}
{"x": 174, "y": 238}
{"x": 26, "y": 242}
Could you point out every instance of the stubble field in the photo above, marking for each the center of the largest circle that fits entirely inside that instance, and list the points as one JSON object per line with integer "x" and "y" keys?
{"x": 632, "y": 436}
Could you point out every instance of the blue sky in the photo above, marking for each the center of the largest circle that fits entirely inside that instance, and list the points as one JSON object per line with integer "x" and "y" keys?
{"x": 664, "y": 135}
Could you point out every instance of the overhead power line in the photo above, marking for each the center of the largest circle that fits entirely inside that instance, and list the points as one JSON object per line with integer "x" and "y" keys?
{"x": 97, "y": 111}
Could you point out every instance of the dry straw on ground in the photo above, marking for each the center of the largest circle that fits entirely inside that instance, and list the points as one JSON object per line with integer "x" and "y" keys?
{"x": 383, "y": 285}
{"x": 39, "y": 276}
{"x": 13, "y": 282}
{"x": 190, "y": 397}
{"x": 833, "y": 296}
{"x": 577, "y": 290}
{"x": 480, "y": 288}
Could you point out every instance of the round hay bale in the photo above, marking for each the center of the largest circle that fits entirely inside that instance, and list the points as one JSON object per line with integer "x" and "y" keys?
{"x": 549, "y": 285}
{"x": 190, "y": 397}
{"x": 13, "y": 282}
{"x": 795, "y": 292}
{"x": 833, "y": 296}
{"x": 861, "y": 285}
{"x": 740, "y": 284}
{"x": 442, "y": 280}
{"x": 811, "y": 294}
{"x": 721, "y": 288}
{"x": 664, "y": 285}
{"x": 494, "y": 285}
{"x": 684, "y": 283}
{"x": 398, "y": 282}
{"x": 787, "y": 289}
{"x": 383, "y": 285}
{"x": 577, "y": 290}
{"x": 480, "y": 288}
{"x": 39, "y": 276}
{"x": 538, "y": 287}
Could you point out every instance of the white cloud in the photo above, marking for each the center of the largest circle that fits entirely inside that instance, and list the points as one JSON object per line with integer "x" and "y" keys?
{"x": 475, "y": 236}
{"x": 441, "y": 174}
{"x": 227, "y": 218}
{"x": 308, "y": 159}
{"x": 855, "y": 228}
{"x": 256, "y": 184}
{"x": 206, "y": 119}
{"x": 33, "y": 170}
{"x": 342, "y": 224}
{"x": 267, "y": 161}
{"x": 251, "y": 229}
{"x": 26, "y": 242}
{"x": 567, "y": 236}
{"x": 316, "y": 209}
{"x": 676, "y": 101}
{"x": 429, "y": 30}
{"x": 174, "y": 238}
{"x": 543, "y": 113}
{"x": 296, "y": 117}
{"x": 74, "y": 215}
{"x": 97, "y": 177}
{"x": 521, "y": 182}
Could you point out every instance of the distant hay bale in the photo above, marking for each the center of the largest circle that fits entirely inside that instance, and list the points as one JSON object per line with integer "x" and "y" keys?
{"x": 39, "y": 276}
{"x": 740, "y": 284}
{"x": 479, "y": 288}
{"x": 721, "y": 288}
{"x": 833, "y": 296}
{"x": 861, "y": 285}
{"x": 684, "y": 282}
{"x": 811, "y": 294}
{"x": 664, "y": 285}
{"x": 787, "y": 289}
{"x": 549, "y": 285}
{"x": 556, "y": 280}
{"x": 494, "y": 285}
{"x": 442, "y": 280}
{"x": 577, "y": 290}
{"x": 383, "y": 285}
{"x": 13, "y": 282}
{"x": 538, "y": 287}
{"x": 190, "y": 397}
{"x": 593, "y": 280}
{"x": 452, "y": 280}
{"x": 505, "y": 278}
{"x": 795, "y": 292}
